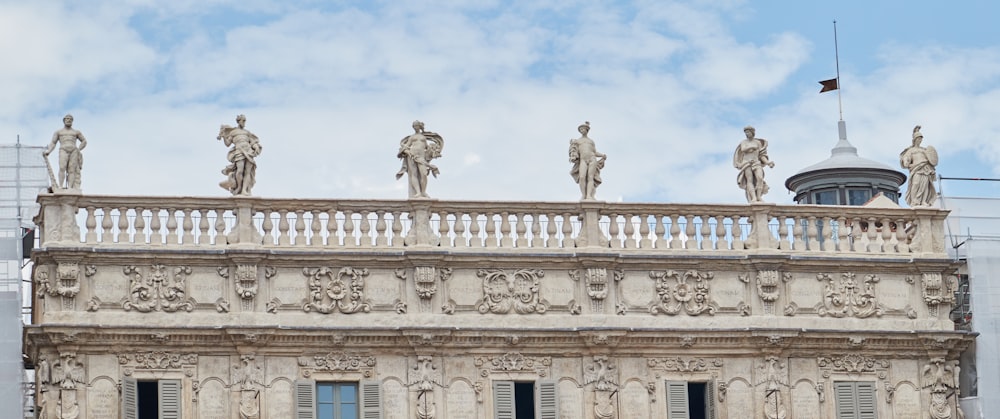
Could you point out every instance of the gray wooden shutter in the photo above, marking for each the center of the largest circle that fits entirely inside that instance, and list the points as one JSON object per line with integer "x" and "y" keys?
{"x": 843, "y": 392}
{"x": 130, "y": 398}
{"x": 169, "y": 393}
{"x": 305, "y": 399}
{"x": 503, "y": 399}
{"x": 866, "y": 399}
{"x": 548, "y": 400}
{"x": 371, "y": 400}
{"x": 710, "y": 400}
{"x": 677, "y": 400}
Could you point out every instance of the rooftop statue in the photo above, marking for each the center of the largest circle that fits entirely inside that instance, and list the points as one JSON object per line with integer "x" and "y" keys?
{"x": 416, "y": 155}
{"x": 920, "y": 161}
{"x": 587, "y": 162}
{"x": 241, "y": 172}
{"x": 750, "y": 158}
{"x": 70, "y": 156}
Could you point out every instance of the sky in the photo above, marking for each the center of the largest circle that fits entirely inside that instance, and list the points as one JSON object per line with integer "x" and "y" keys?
{"x": 330, "y": 87}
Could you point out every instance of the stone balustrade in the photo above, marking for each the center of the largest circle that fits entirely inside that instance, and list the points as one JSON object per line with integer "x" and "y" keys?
{"x": 74, "y": 220}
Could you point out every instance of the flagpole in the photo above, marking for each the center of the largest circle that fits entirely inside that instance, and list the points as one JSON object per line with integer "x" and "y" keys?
{"x": 836, "y": 54}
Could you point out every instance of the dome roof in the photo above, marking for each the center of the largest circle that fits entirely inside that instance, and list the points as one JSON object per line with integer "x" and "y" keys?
{"x": 844, "y": 163}
{"x": 845, "y": 156}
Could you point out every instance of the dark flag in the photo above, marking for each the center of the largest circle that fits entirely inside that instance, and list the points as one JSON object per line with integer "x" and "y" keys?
{"x": 829, "y": 85}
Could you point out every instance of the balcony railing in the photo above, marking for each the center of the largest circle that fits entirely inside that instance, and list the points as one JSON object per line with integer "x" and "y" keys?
{"x": 75, "y": 220}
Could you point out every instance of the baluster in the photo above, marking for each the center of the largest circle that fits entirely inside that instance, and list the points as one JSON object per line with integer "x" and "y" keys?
{"x": 689, "y": 230}
{"x": 491, "y": 230}
{"x": 738, "y": 243}
{"x": 268, "y": 227}
{"x": 644, "y": 241}
{"x": 616, "y": 242}
{"x": 675, "y": 232}
{"x": 857, "y": 234}
{"x": 474, "y": 240}
{"x": 300, "y": 229}
{"x": 567, "y": 230}
{"x": 505, "y": 238}
{"x": 349, "y": 239}
{"x": 901, "y": 245}
{"x": 220, "y": 227}
{"x": 443, "y": 229}
{"x": 826, "y": 227}
{"x": 843, "y": 230}
{"x": 202, "y": 237}
{"x": 91, "y": 224}
{"x": 798, "y": 240}
{"x": 873, "y": 246}
{"x": 155, "y": 237}
{"x": 536, "y": 231}
{"x": 551, "y": 238}
{"x": 705, "y": 234}
{"x": 365, "y": 229}
{"x": 187, "y": 235}
{"x": 661, "y": 242}
{"x": 122, "y": 234}
{"x": 812, "y": 235}
{"x": 629, "y": 241}
{"x": 106, "y": 225}
{"x": 783, "y": 242}
{"x": 887, "y": 246}
{"x": 381, "y": 239}
{"x": 459, "y": 229}
{"x": 171, "y": 226}
{"x": 283, "y": 239}
{"x": 720, "y": 233}
{"x": 316, "y": 228}
{"x": 521, "y": 230}
{"x": 397, "y": 229}
{"x": 332, "y": 237}
{"x": 140, "y": 226}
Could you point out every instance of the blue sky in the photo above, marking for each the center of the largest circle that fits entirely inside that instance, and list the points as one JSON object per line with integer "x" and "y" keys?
{"x": 330, "y": 88}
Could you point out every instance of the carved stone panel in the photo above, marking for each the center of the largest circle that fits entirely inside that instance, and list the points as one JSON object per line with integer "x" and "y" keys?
{"x": 636, "y": 291}
{"x": 850, "y": 295}
{"x": 558, "y": 288}
{"x": 906, "y": 402}
{"x": 213, "y": 400}
{"x": 395, "y": 404}
{"x": 634, "y": 401}
{"x": 516, "y": 291}
{"x": 460, "y": 401}
{"x": 739, "y": 400}
{"x": 805, "y": 401}
{"x": 102, "y": 400}
{"x": 278, "y": 400}
{"x": 685, "y": 292}
{"x": 332, "y": 290}
{"x": 157, "y": 288}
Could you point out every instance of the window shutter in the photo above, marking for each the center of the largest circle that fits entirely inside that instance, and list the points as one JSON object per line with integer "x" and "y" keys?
{"x": 843, "y": 392}
{"x": 305, "y": 399}
{"x": 371, "y": 400}
{"x": 710, "y": 400}
{"x": 866, "y": 400}
{"x": 548, "y": 400}
{"x": 170, "y": 398}
{"x": 503, "y": 399}
{"x": 130, "y": 398}
{"x": 677, "y": 400}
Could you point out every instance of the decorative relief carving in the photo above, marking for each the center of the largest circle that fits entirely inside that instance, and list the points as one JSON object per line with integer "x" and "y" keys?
{"x": 769, "y": 287}
{"x": 449, "y": 306}
{"x": 157, "y": 360}
{"x": 941, "y": 377}
{"x": 791, "y": 309}
{"x": 603, "y": 375}
{"x": 512, "y": 362}
{"x": 852, "y": 364}
{"x": 425, "y": 279}
{"x": 425, "y": 376}
{"x": 517, "y": 291}
{"x": 676, "y": 294}
{"x": 67, "y": 282}
{"x": 596, "y": 281}
{"x": 249, "y": 376}
{"x": 344, "y": 290}
{"x": 936, "y": 291}
{"x": 68, "y": 373}
{"x": 157, "y": 291}
{"x": 94, "y": 304}
{"x": 773, "y": 375}
{"x": 679, "y": 364}
{"x": 848, "y": 298}
{"x": 338, "y": 362}
{"x": 222, "y": 305}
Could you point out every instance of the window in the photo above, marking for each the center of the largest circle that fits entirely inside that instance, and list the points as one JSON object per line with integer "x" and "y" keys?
{"x": 338, "y": 400}
{"x": 858, "y": 196}
{"x": 525, "y": 400}
{"x": 154, "y": 399}
{"x": 690, "y": 400}
{"x": 855, "y": 399}
{"x": 825, "y": 197}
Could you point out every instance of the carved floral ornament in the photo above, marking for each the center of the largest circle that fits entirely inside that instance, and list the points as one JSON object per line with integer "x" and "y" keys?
{"x": 506, "y": 291}
{"x": 683, "y": 291}
{"x": 848, "y": 297}
{"x": 245, "y": 278}
{"x": 679, "y": 364}
{"x": 157, "y": 360}
{"x": 157, "y": 290}
{"x": 341, "y": 291}
{"x": 67, "y": 282}
{"x": 512, "y": 362}
{"x": 338, "y": 362}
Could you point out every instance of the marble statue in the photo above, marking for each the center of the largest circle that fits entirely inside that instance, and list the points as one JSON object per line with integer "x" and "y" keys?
{"x": 416, "y": 152}
{"x": 70, "y": 156}
{"x": 920, "y": 161}
{"x": 750, "y": 158}
{"x": 587, "y": 162}
{"x": 241, "y": 173}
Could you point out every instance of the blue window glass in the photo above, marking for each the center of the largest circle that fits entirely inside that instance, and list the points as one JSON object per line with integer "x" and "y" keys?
{"x": 336, "y": 401}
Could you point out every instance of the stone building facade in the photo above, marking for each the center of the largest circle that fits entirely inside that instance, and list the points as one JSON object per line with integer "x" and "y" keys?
{"x": 243, "y": 307}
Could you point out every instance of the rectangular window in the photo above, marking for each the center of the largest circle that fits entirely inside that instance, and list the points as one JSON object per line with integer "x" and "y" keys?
{"x": 338, "y": 400}
{"x": 690, "y": 400}
{"x": 525, "y": 400}
{"x": 855, "y": 399}
{"x": 825, "y": 198}
{"x": 153, "y": 399}
{"x": 858, "y": 196}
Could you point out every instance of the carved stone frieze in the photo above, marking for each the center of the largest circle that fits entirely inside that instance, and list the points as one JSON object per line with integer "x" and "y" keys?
{"x": 678, "y": 364}
{"x": 848, "y": 297}
{"x": 516, "y": 291}
{"x": 683, "y": 291}
{"x": 338, "y": 362}
{"x": 157, "y": 290}
{"x": 936, "y": 291}
{"x": 157, "y": 360}
{"x": 853, "y": 364}
{"x": 341, "y": 291}
{"x": 425, "y": 377}
{"x": 513, "y": 362}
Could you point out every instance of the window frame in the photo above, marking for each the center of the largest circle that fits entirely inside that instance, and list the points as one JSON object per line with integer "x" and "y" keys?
{"x": 546, "y": 399}
{"x": 369, "y": 400}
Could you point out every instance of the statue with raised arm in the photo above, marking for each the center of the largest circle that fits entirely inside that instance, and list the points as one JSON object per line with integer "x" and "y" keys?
{"x": 241, "y": 173}
{"x": 750, "y": 158}
{"x": 920, "y": 161}
{"x": 70, "y": 156}
{"x": 587, "y": 162}
{"x": 416, "y": 152}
